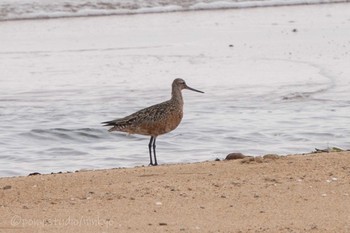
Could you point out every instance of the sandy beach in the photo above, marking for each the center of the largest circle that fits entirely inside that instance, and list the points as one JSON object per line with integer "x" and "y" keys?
{"x": 297, "y": 193}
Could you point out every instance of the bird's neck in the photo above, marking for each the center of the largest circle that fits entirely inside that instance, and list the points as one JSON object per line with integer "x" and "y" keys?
{"x": 176, "y": 96}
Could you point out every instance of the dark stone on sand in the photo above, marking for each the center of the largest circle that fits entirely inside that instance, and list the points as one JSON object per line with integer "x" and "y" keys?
{"x": 231, "y": 45}
{"x": 34, "y": 174}
{"x": 217, "y": 160}
{"x": 7, "y": 187}
{"x": 163, "y": 224}
{"x": 232, "y": 156}
{"x": 295, "y": 30}
{"x": 327, "y": 150}
{"x": 55, "y": 173}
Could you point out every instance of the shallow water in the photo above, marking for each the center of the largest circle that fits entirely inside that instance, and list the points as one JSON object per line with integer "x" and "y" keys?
{"x": 46, "y": 9}
{"x": 261, "y": 96}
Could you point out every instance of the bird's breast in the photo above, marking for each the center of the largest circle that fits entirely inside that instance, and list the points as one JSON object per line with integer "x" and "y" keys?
{"x": 173, "y": 121}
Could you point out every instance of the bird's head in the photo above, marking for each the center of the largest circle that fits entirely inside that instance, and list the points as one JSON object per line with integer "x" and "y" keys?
{"x": 181, "y": 84}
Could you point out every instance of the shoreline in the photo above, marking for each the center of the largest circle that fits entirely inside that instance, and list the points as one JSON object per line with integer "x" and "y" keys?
{"x": 155, "y": 10}
{"x": 290, "y": 193}
{"x": 231, "y": 156}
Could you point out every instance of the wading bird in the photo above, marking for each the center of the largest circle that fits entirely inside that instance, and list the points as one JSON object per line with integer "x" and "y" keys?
{"x": 155, "y": 120}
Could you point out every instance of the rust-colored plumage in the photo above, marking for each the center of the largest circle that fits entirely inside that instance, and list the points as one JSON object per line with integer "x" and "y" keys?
{"x": 154, "y": 120}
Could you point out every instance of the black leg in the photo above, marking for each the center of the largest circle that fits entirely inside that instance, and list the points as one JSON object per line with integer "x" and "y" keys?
{"x": 154, "y": 151}
{"x": 150, "y": 151}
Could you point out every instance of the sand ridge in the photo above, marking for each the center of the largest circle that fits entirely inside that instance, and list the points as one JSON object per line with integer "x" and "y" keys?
{"x": 297, "y": 193}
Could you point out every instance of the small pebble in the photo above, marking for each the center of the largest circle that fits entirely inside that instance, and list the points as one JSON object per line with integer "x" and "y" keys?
{"x": 232, "y": 156}
{"x": 158, "y": 203}
{"x": 7, "y": 187}
{"x": 271, "y": 156}
{"x": 163, "y": 224}
{"x": 34, "y": 174}
{"x": 324, "y": 195}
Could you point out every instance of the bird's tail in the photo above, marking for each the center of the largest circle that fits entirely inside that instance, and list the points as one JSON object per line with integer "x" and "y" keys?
{"x": 109, "y": 123}
{"x": 117, "y": 125}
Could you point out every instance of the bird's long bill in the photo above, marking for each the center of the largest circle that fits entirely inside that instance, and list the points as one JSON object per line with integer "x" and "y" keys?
{"x": 192, "y": 89}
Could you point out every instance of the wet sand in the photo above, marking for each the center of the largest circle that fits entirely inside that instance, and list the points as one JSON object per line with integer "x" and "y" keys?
{"x": 296, "y": 193}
